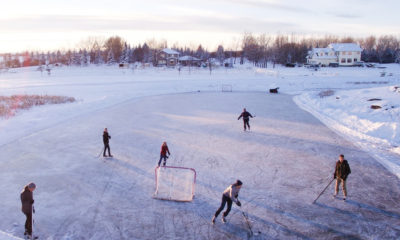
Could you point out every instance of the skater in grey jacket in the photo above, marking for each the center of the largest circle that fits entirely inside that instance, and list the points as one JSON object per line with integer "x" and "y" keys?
{"x": 229, "y": 195}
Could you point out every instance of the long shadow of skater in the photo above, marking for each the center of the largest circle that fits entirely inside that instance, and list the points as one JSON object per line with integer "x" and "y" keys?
{"x": 374, "y": 209}
{"x": 131, "y": 167}
{"x": 230, "y": 229}
{"x": 322, "y": 227}
{"x": 338, "y": 210}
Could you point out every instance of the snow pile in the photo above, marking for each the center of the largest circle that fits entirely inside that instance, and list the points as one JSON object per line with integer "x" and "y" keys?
{"x": 6, "y": 236}
{"x": 369, "y": 117}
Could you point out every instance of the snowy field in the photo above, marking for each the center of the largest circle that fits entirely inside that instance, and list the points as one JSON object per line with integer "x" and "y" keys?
{"x": 284, "y": 162}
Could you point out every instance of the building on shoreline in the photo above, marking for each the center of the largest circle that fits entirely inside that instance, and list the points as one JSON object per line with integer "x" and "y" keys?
{"x": 339, "y": 54}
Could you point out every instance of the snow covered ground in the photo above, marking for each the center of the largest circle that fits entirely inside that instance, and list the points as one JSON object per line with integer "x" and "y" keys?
{"x": 285, "y": 161}
{"x": 377, "y": 131}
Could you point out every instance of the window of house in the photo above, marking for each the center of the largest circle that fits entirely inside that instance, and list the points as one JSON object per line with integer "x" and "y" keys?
{"x": 343, "y": 60}
{"x": 355, "y": 59}
{"x": 349, "y": 60}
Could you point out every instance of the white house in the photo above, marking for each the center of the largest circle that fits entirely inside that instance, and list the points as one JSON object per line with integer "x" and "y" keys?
{"x": 344, "y": 54}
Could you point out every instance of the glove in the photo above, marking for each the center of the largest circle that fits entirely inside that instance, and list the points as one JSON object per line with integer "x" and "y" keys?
{"x": 32, "y": 201}
{"x": 238, "y": 203}
{"x": 33, "y": 209}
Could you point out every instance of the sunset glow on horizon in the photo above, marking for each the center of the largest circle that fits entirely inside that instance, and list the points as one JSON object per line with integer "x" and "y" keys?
{"x": 49, "y": 25}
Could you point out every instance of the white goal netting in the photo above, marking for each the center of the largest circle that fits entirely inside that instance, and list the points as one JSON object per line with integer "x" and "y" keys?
{"x": 226, "y": 88}
{"x": 175, "y": 183}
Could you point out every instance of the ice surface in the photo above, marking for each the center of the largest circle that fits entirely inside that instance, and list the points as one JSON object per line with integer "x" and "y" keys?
{"x": 284, "y": 162}
{"x": 6, "y": 236}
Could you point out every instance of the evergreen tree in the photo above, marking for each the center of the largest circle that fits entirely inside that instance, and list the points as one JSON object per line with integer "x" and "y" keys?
{"x": 76, "y": 58}
{"x": 84, "y": 58}
{"x": 98, "y": 57}
{"x": 110, "y": 57}
{"x": 125, "y": 54}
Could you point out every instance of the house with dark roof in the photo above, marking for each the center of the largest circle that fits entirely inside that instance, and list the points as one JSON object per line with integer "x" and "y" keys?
{"x": 190, "y": 61}
{"x": 167, "y": 57}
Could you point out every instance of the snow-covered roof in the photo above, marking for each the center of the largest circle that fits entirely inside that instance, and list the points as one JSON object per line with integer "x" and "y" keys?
{"x": 350, "y": 47}
{"x": 188, "y": 58}
{"x": 322, "y": 50}
{"x": 169, "y": 51}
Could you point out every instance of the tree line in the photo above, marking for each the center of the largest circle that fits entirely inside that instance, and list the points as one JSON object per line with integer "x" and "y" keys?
{"x": 259, "y": 49}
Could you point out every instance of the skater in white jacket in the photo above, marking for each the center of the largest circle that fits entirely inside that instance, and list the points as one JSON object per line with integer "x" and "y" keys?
{"x": 229, "y": 195}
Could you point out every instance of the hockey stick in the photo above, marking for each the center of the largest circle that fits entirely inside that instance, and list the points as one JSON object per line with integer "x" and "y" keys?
{"x": 32, "y": 222}
{"x": 99, "y": 153}
{"x": 323, "y": 190}
{"x": 248, "y": 223}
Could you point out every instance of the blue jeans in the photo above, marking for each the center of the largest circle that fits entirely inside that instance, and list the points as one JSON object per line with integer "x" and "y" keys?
{"x": 162, "y": 157}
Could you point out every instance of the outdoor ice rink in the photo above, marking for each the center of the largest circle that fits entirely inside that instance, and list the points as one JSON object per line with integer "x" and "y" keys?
{"x": 284, "y": 163}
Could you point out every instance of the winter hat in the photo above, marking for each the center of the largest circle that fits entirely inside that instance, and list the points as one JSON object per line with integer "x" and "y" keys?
{"x": 31, "y": 185}
{"x": 238, "y": 182}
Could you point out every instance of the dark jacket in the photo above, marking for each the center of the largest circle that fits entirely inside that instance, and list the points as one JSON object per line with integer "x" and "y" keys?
{"x": 26, "y": 200}
{"x": 342, "y": 170}
{"x": 246, "y": 115}
{"x": 106, "y": 137}
{"x": 164, "y": 150}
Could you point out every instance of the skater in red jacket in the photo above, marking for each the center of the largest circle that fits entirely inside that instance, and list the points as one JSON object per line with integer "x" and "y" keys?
{"x": 163, "y": 153}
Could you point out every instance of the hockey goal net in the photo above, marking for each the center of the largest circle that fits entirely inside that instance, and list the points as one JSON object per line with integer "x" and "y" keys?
{"x": 226, "y": 88}
{"x": 175, "y": 183}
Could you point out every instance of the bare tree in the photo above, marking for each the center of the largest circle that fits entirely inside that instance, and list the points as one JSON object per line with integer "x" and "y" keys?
{"x": 115, "y": 45}
{"x": 263, "y": 43}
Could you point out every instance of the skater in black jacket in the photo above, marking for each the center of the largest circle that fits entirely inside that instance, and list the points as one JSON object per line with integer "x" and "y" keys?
{"x": 106, "y": 139}
{"x": 246, "y": 118}
{"x": 27, "y": 206}
{"x": 230, "y": 194}
{"x": 342, "y": 171}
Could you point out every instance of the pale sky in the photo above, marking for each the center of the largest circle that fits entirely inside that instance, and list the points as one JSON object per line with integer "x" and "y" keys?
{"x": 63, "y": 24}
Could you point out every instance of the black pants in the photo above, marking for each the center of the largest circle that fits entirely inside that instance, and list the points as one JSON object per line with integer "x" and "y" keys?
{"x": 162, "y": 157}
{"x": 246, "y": 122}
{"x": 28, "y": 223}
{"x": 106, "y": 146}
{"x": 225, "y": 200}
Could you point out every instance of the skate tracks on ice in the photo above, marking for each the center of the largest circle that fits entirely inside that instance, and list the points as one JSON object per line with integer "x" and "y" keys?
{"x": 284, "y": 162}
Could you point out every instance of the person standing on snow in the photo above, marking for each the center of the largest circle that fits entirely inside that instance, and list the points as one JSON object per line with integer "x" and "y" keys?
{"x": 27, "y": 206}
{"x": 246, "y": 118}
{"x": 230, "y": 194}
{"x": 163, "y": 153}
{"x": 106, "y": 139}
{"x": 342, "y": 170}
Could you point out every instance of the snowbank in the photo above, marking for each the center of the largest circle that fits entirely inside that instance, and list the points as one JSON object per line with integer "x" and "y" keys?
{"x": 6, "y": 236}
{"x": 349, "y": 113}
